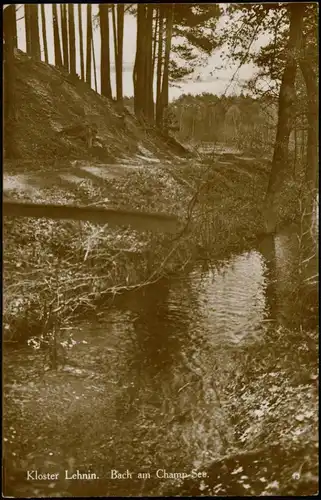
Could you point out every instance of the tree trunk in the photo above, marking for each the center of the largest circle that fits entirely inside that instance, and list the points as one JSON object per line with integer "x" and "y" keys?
{"x": 44, "y": 32}
{"x": 28, "y": 29}
{"x": 88, "y": 46}
{"x": 113, "y": 16}
{"x": 139, "y": 68}
{"x": 72, "y": 38}
{"x": 295, "y": 160}
{"x": 159, "y": 114}
{"x": 285, "y": 118}
{"x": 119, "y": 60}
{"x": 311, "y": 172}
{"x": 149, "y": 100}
{"x": 81, "y": 43}
{"x": 165, "y": 82}
{"x": 105, "y": 82}
{"x": 57, "y": 45}
{"x": 155, "y": 30}
{"x": 34, "y": 31}
{"x": 64, "y": 34}
{"x": 14, "y": 32}
{"x": 94, "y": 64}
{"x": 135, "y": 72}
{"x": 311, "y": 83}
{"x": 9, "y": 113}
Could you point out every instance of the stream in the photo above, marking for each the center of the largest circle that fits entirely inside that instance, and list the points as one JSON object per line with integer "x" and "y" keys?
{"x": 139, "y": 390}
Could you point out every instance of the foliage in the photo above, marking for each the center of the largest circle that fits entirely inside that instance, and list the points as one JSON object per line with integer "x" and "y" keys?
{"x": 243, "y": 121}
{"x": 55, "y": 259}
{"x": 194, "y": 35}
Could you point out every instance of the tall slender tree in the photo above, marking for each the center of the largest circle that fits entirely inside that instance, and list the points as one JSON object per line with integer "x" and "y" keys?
{"x": 311, "y": 82}
{"x": 168, "y": 45}
{"x": 28, "y": 29}
{"x": 81, "y": 43}
{"x": 44, "y": 32}
{"x": 105, "y": 82}
{"x": 72, "y": 38}
{"x": 149, "y": 98}
{"x": 113, "y": 17}
{"x": 118, "y": 35}
{"x": 15, "y": 37}
{"x": 88, "y": 43}
{"x": 64, "y": 34}
{"x": 94, "y": 64}
{"x": 9, "y": 30}
{"x": 285, "y": 116}
{"x": 139, "y": 66}
{"x": 155, "y": 31}
{"x": 34, "y": 31}
{"x": 119, "y": 60}
{"x": 57, "y": 44}
{"x": 159, "y": 111}
{"x": 309, "y": 66}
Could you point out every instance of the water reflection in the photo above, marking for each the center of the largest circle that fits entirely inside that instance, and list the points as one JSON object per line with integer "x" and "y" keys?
{"x": 231, "y": 301}
{"x": 291, "y": 262}
{"x": 159, "y": 329}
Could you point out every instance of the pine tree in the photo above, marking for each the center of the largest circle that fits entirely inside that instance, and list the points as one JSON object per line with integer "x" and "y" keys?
{"x": 72, "y": 38}
{"x": 88, "y": 44}
{"x": 28, "y": 29}
{"x": 81, "y": 43}
{"x": 9, "y": 115}
{"x": 34, "y": 31}
{"x": 64, "y": 33}
{"x": 105, "y": 51}
{"x": 57, "y": 45}
{"x": 44, "y": 32}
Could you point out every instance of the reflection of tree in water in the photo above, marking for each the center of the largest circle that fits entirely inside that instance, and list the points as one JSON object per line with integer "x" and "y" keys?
{"x": 267, "y": 248}
{"x": 160, "y": 329}
{"x": 152, "y": 401}
{"x": 291, "y": 300}
{"x": 159, "y": 334}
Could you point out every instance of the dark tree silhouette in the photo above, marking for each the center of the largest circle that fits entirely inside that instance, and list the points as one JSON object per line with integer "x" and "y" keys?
{"x": 81, "y": 43}
{"x": 28, "y": 29}
{"x": 105, "y": 51}
{"x": 64, "y": 34}
{"x": 138, "y": 74}
{"x": 34, "y": 31}
{"x": 159, "y": 113}
{"x": 119, "y": 59}
{"x": 94, "y": 64}
{"x": 72, "y": 38}
{"x": 88, "y": 44}
{"x": 44, "y": 32}
{"x": 9, "y": 33}
{"x": 285, "y": 116}
{"x": 168, "y": 44}
{"x": 57, "y": 45}
{"x": 149, "y": 98}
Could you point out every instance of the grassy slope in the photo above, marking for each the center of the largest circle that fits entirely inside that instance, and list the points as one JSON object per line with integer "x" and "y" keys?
{"x": 49, "y": 99}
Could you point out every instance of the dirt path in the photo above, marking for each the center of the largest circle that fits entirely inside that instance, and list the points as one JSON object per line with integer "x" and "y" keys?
{"x": 28, "y": 179}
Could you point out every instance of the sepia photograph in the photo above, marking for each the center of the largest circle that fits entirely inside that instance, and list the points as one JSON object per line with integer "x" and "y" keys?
{"x": 160, "y": 250}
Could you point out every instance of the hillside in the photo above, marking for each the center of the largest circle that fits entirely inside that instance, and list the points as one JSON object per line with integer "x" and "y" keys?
{"x": 49, "y": 99}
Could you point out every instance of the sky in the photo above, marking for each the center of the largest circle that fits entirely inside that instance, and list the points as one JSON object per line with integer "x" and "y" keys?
{"x": 206, "y": 83}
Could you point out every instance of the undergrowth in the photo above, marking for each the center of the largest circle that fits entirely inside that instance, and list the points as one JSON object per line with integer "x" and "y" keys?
{"x": 60, "y": 268}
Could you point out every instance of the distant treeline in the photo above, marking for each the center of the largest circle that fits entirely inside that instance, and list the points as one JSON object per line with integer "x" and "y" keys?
{"x": 239, "y": 120}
